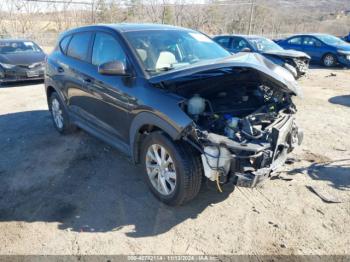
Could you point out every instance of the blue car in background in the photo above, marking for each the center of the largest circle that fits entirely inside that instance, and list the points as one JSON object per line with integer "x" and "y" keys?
{"x": 295, "y": 62}
{"x": 323, "y": 49}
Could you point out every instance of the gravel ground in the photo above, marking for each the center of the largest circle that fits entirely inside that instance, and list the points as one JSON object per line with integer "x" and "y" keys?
{"x": 76, "y": 195}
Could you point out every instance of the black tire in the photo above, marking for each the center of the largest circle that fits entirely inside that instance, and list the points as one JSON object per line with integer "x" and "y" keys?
{"x": 187, "y": 164}
{"x": 66, "y": 127}
{"x": 327, "y": 58}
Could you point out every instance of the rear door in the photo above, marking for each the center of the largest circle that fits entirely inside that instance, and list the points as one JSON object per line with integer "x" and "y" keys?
{"x": 76, "y": 68}
{"x": 313, "y": 47}
{"x": 294, "y": 43}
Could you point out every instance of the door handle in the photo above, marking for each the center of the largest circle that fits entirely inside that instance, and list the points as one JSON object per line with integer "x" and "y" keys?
{"x": 87, "y": 80}
{"x": 60, "y": 70}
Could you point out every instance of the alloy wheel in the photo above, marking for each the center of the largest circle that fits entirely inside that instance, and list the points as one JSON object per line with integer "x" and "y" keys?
{"x": 160, "y": 169}
{"x": 328, "y": 60}
{"x": 57, "y": 113}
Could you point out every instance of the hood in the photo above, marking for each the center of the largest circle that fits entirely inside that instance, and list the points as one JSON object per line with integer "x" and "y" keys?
{"x": 345, "y": 47}
{"x": 287, "y": 53}
{"x": 269, "y": 72}
{"x": 22, "y": 58}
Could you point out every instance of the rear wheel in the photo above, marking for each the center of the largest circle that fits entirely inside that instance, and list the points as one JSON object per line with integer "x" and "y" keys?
{"x": 329, "y": 60}
{"x": 173, "y": 170}
{"x": 59, "y": 114}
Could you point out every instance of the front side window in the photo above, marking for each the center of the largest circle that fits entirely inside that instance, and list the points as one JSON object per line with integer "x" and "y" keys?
{"x": 295, "y": 41}
{"x": 79, "y": 46}
{"x": 163, "y": 50}
{"x": 106, "y": 49}
{"x": 10, "y": 47}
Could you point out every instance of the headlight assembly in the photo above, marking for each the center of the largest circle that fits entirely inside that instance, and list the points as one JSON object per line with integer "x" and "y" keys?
{"x": 7, "y": 66}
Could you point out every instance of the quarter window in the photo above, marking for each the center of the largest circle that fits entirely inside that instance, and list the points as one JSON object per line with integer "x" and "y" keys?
{"x": 64, "y": 43}
{"x": 79, "y": 46}
{"x": 106, "y": 49}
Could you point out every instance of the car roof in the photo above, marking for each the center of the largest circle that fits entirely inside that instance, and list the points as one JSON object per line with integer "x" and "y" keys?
{"x": 243, "y": 36}
{"x": 127, "y": 27}
{"x": 308, "y": 34}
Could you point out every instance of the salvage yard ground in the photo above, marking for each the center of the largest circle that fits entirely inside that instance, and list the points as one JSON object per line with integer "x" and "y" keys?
{"x": 76, "y": 195}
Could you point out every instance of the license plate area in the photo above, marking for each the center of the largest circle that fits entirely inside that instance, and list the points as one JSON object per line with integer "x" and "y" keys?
{"x": 32, "y": 73}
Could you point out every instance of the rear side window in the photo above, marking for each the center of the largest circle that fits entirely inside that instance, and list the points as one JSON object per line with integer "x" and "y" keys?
{"x": 224, "y": 41}
{"x": 106, "y": 49}
{"x": 79, "y": 46}
{"x": 295, "y": 41}
{"x": 64, "y": 43}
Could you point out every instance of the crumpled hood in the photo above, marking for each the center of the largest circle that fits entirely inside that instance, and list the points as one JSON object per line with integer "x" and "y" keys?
{"x": 287, "y": 53}
{"x": 22, "y": 58}
{"x": 268, "y": 71}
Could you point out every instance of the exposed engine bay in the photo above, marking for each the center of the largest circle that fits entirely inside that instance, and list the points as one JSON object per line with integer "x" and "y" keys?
{"x": 243, "y": 127}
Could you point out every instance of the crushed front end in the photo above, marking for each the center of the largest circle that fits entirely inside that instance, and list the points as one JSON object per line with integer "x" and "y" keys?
{"x": 260, "y": 146}
{"x": 243, "y": 117}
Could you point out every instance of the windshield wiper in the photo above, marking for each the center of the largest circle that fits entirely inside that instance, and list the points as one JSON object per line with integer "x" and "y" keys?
{"x": 165, "y": 68}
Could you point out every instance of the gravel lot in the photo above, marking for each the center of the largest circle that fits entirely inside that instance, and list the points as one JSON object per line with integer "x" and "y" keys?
{"x": 76, "y": 195}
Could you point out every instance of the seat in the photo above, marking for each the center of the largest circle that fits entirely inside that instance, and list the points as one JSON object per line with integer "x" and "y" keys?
{"x": 142, "y": 54}
{"x": 165, "y": 59}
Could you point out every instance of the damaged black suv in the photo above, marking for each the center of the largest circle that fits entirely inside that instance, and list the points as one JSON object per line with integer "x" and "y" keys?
{"x": 175, "y": 102}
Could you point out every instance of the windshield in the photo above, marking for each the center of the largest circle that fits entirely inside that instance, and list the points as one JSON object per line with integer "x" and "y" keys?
{"x": 162, "y": 50}
{"x": 264, "y": 44}
{"x": 10, "y": 47}
{"x": 331, "y": 40}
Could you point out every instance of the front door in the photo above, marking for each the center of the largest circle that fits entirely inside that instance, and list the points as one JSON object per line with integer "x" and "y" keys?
{"x": 110, "y": 94}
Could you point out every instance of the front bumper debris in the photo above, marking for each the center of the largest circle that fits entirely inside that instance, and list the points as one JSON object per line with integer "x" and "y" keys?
{"x": 255, "y": 161}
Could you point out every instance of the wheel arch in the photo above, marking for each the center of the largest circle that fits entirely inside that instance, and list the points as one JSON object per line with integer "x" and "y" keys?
{"x": 149, "y": 122}
{"x": 50, "y": 89}
{"x": 329, "y": 53}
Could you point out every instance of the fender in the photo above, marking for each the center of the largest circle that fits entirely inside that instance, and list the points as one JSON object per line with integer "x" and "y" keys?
{"x": 148, "y": 118}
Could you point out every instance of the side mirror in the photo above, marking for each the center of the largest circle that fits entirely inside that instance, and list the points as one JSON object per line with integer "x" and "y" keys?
{"x": 246, "y": 49}
{"x": 113, "y": 68}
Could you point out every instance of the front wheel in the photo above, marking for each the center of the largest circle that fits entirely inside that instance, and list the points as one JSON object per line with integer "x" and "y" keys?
{"x": 329, "y": 60}
{"x": 173, "y": 169}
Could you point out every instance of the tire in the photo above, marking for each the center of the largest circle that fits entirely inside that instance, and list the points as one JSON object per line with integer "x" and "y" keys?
{"x": 63, "y": 127}
{"x": 186, "y": 164}
{"x": 329, "y": 60}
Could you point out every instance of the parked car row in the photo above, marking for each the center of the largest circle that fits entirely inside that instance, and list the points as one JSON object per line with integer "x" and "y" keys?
{"x": 295, "y": 52}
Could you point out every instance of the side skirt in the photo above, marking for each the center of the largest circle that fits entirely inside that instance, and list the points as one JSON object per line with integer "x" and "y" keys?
{"x": 102, "y": 135}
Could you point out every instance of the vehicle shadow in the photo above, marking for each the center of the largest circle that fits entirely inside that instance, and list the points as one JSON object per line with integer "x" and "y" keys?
{"x": 336, "y": 173}
{"x": 80, "y": 182}
{"x": 22, "y": 83}
{"x": 340, "y": 100}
